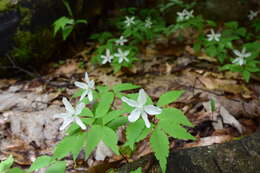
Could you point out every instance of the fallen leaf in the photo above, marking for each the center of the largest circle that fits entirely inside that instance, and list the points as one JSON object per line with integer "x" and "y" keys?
{"x": 229, "y": 119}
{"x": 206, "y": 141}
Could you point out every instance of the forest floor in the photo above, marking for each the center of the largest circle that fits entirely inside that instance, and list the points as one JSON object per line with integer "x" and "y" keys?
{"x": 28, "y": 129}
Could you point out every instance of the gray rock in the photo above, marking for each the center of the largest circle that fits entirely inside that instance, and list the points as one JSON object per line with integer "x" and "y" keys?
{"x": 39, "y": 127}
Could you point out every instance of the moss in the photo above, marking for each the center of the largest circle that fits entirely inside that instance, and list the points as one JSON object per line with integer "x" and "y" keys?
{"x": 26, "y": 14}
{"x": 33, "y": 48}
{"x": 4, "y": 5}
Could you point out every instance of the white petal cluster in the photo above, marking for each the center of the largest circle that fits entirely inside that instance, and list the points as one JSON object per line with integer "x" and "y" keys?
{"x": 71, "y": 115}
{"x": 240, "y": 60}
{"x": 184, "y": 15}
{"x": 252, "y": 14}
{"x": 88, "y": 87}
{"x": 121, "y": 41}
{"x": 213, "y": 36}
{"x": 107, "y": 58}
{"x": 141, "y": 109}
{"x": 129, "y": 21}
{"x": 148, "y": 23}
{"x": 122, "y": 55}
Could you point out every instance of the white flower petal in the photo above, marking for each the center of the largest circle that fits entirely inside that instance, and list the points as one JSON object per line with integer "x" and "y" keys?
{"x": 142, "y": 97}
{"x": 90, "y": 96}
{"x": 80, "y": 123}
{"x": 120, "y": 60}
{"x": 130, "y": 102}
{"x": 86, "y": 77}
{"x": 107, "y": 52}
{"x": 79, "y": 108}
{"x": 67, "y": 105}
{"x": 83, "y": 95}
{"x": 146, "y": 121}
{"x": 210, "y": 38}
{"x": 91, "y": 84}
{"x": 104, "y": 61}
{"x": 81, "y": 85}
{"x": 125, "y": 53}
{"x": 61, "y": 115}
{"x": 235, "y": 61}
{"x": 134, "y": 115}
{"x": 152, "y": 110}
{"x": 66, "y": 123}
{"x": 247, "y": 54}
{"x": 236, "y": 52}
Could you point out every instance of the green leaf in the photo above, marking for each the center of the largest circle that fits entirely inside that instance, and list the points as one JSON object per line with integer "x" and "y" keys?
{"x": 102, "y": 89}
{"x": 6, "y": 164}
{"x": 77, "y": 145}
{"x": 63, "y": 148}
{"x": 160, "y": 146}
{"x": 40, "y": 162}
{"x": 15, "y": 170}
{"x": 211, "y": 23}
{"x": 114, "y": 124}
{"x": 139, "y": 170}
{"x": 70, "y": 144}
{"x": 104, "y": 105}
{"x": 133, "y": 131}
{"x": 57, "y": 167}
{"x": 81, "y": 21}
{"x": 98, "y": 133}
{"x": 94, "y": 136}
{"x": 110, "y": 139}
{"x": 112, "y": 115}
{"x": 246, "y": 75}
{"x": 78, "y": 93}
{"x": 175, "y": 116}
{"x": 232, "y": 24}
{"x": 88, "y": 121}
{"x": 197, "y": 46}
{"x": 144, "y": 134}
{"x": 67, "y": 5}
{"x": 61, "y": 23}
{"x": 86, "y": 112}
{"x": 213, "y": 105}
{"x": 211, "y": 51}
{"x": 124, "y": 87}
{"x": 66, "y": 31}
{"x": 169, "y": 97}
{"x": 175, "y": 130}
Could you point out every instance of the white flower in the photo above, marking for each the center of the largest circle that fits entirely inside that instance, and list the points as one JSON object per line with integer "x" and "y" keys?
{"x": 213, "y": 36}
{"x": 122, "y": 56}
{"x": 121, "y": 41}
{"x": 184, "y": 15}
{"x": 241, "y": 56}
{"x": 181, "y": 16}
{"x": 141, "y": 109}
{"x": 189, "y": 14}
{"x": 252, "y": 14}
{"x": 71, "y": 115}
{"x": 87, "y": 87}
{"x": 107, "y": 58}
{"x": 129, "y": 21}
{"x": 148, "y": 23}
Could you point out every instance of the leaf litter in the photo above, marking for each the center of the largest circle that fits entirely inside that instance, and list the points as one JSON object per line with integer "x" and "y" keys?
{"x": 29, "y": 130}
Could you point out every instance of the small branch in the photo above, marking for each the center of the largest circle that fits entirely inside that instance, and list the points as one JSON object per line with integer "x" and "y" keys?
{"x": 14, "y": 66}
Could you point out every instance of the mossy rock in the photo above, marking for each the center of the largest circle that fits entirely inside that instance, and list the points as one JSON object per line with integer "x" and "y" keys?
{"x": 238, "y": 156}
{"x": 6, "y": 5}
